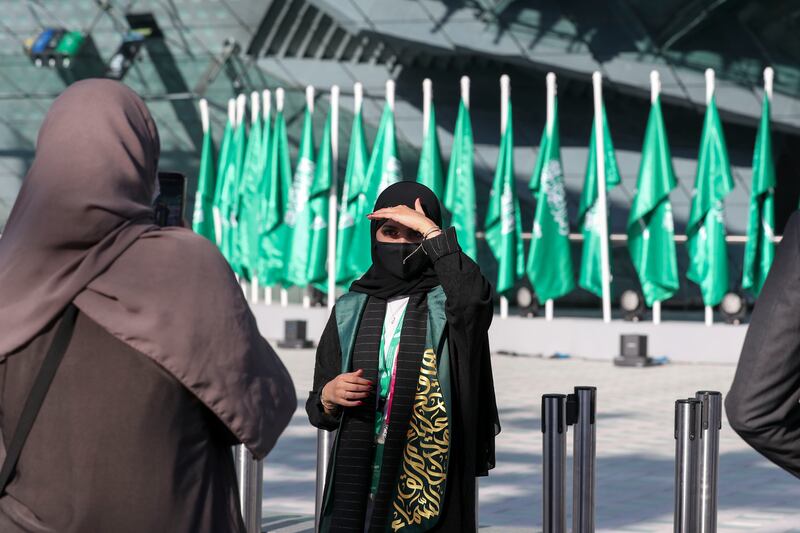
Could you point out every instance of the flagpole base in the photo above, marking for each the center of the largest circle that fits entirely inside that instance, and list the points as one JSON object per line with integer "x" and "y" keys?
{"x": 503, "y": 307}
{"x": 709, "y": 315}
{"x": 548, "y": 310}
{"x": 657, "y": 312}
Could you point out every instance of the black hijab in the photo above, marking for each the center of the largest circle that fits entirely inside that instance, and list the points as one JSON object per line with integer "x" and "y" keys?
{"x": 381, "y": 282}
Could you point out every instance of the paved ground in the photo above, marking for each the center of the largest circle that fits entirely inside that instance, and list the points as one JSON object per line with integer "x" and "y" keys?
{"x": 635, "y": 452}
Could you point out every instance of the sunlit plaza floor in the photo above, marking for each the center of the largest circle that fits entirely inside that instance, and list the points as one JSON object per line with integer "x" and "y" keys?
{"x": 635, "y": 451}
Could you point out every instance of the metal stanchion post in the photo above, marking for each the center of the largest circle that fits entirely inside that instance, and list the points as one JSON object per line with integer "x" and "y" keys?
{"x": 324, "y": 444}
{"x": 250, "y": 475}
{"x": 687, "y": 463}
{"x": 581, "y": 412}
{"x": 554, "y": 468}
{"x": 711, "y": 423}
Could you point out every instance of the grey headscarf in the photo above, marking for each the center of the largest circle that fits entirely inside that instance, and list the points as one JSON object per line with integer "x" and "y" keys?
{"x": 82, "y": 230}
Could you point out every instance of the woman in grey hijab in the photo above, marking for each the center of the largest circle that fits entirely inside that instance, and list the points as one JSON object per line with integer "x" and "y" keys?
{"x": 165, "y": 369}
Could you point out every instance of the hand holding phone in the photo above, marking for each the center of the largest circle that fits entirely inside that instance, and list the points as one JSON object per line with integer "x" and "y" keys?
{"x": 170, "y": 204}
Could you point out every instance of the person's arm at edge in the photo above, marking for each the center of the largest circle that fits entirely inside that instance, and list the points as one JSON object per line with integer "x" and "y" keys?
{"x": 762, "y": 405}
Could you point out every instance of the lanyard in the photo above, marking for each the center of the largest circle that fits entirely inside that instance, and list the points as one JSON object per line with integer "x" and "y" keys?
{"x": 386, "y": 371}
{"x": 386, "y": 357}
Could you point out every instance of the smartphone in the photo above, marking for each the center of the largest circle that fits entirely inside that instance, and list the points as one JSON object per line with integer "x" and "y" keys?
{"x": 171, "y": 201}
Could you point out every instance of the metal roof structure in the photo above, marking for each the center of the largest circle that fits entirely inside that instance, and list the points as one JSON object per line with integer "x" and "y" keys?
{"x": 216, "y": 48}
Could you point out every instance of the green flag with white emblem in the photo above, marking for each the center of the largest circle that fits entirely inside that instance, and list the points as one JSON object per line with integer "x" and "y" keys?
{"x": 759, "y": 250}
{"x": 318, "y": 206}
{"x": 550, "y": 261}
{"x": 503, "y": 227}
{"x": 230, "y": 196}
{"x": 351, "y": 263}
{"x": 651, "y": 233}
{"x": 276, "y": 194}
{"x": 203, "y": 216}
{"x": 429, "y": 172}
{"x": 219, "y": 186}
{"x": 250, "y": 184}
{"x": 708, "y": 252}
{"x": 459, "y": 191}
{"x": 590, "y": 277}
{"x": 383, "y": 170}
{"x": 298, "y": 215}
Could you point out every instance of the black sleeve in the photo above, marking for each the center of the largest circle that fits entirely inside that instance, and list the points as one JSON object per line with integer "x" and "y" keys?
{"x": 469, "y": 312}
{"x": 469, "y": 294}
{"x": 327, "y": 367}
{"x": 762, "y": 405}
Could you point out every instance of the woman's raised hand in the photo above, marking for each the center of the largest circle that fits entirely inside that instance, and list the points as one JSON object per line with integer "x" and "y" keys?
{"x": 345, "y": 390}
{"x": 410, "y": 218}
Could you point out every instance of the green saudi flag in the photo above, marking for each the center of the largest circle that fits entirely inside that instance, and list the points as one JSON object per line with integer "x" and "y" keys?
{"x": 429, "y": 172}
{"x": 318, "y": 207}
{"x": 262, "y": 200}
{"x": 550, "y": 261}
{"x": 353, "y": 209}
{"x": 203, "y": 216}
{"x": 459, "y": 191}
{"x": 219, "y": 186}
{"x": 590, "y": 277}
{"x": 705, "y": 232}
{"x": 503, "y": 227}
{"x": 298, "y": 214}
{"x": 651, "y": 239}
{"x": 760, "y": 248}
{"x": 276, "y": 194}
{"x": 230, "y": 196}
{"x": 249, "y": 186}
{"x": 383, "y": 170}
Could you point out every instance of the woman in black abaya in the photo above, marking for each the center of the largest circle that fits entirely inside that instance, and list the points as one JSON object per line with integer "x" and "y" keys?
{"x": 403, "y": 372}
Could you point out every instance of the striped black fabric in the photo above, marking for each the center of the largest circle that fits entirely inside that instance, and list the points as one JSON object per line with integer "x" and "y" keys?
{"x": 355, "y": 452}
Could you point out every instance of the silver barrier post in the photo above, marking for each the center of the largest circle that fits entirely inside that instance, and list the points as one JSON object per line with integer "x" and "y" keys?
{"x": 581, "y": 411}
{"x": 711, "y": 423}
{"x": 250, "y": 475}
{"x": 687, "y": 463}
{"x": 324, "y": 444}
{"x": 554, "y": 468}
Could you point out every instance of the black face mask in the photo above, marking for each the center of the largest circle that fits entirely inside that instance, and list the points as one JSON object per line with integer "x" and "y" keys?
{"x": 390, "y": 257}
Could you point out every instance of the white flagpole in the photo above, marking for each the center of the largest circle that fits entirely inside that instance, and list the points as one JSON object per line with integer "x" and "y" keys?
{"x": 390, "y": 94}
{"x": 709, "y": 96}
{"x": 602, "y": 204}
{"x": 310, "y": 107}
{"x": 204, "y": 120}
{"x": 332, "y": 200}
{"x": 266, "y": 101}
{"x": 284, "y": 295}
{"x": 255, "y": 115}
{"x": 769, "y": 78}
{"x": 427, "y": 97}
{"x": 204, "y": 114}
{"x": 241, "y": 105}
{"x": 551, "y": 111}
{"x": 655, "y": 90}
{"x": 505, "y": 94}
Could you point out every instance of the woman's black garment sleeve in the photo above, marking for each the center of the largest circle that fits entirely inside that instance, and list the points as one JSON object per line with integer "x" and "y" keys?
{"x": 762, "y": 405}
{"x": 469, "y": 312}
{"x": 328, "y": 366}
